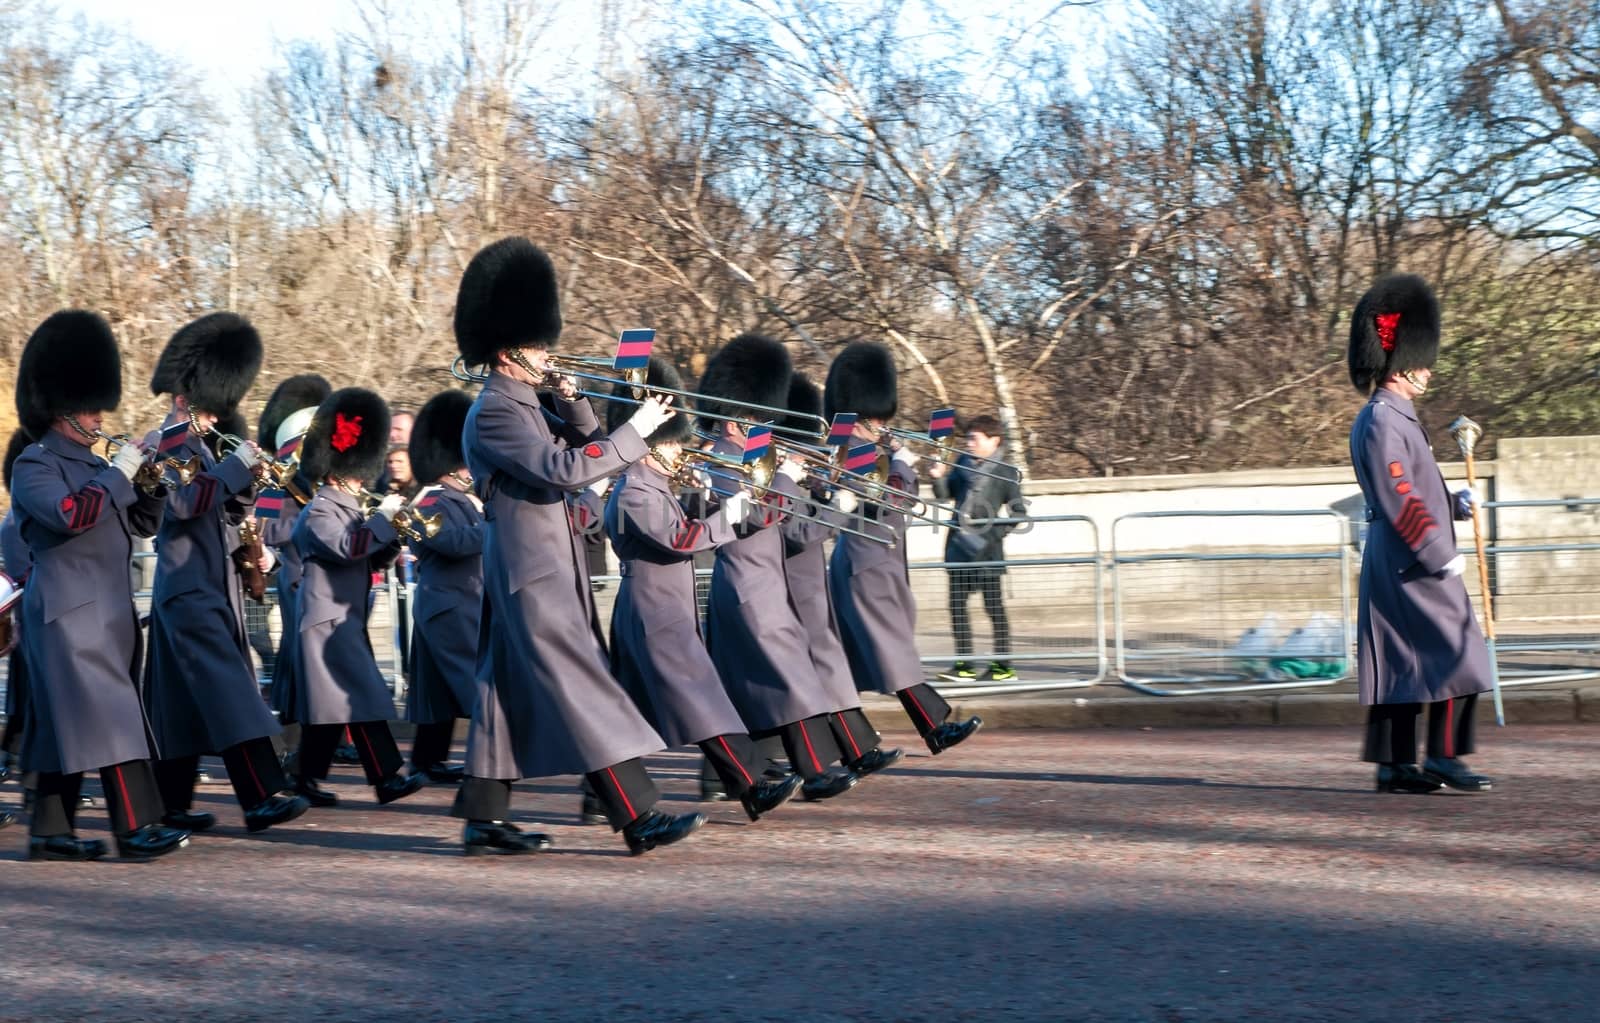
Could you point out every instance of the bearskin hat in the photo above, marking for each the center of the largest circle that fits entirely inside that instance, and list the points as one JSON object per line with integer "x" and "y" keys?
{"x": 508, "y": 298}
{"x": 70, "y": 364}
{"x": 349, "y": 436}
{"x": 19, "y": 440}
{"x": 212, "y": 362}
{"x": 435, "y": 446}
{"x": 753, "y": 369}
{"x": 804, "y": 402}
{"x": 1395, "y": 328}
{"x": 862, "y": 380}
{"x": 290, "y": 396}
{"x": 661, "y": 374}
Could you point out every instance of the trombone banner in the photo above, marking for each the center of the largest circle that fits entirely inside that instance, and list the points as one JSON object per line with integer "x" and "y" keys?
{"x": 633, "y": 348}
{"x": 756, "y": 444}
{"x": 172, "y": 437}
{"x": 942, "y": 423}
{"x": 269, "y": 505}
{"x": 842, "y": 429}
{"x": 862, "y": 458}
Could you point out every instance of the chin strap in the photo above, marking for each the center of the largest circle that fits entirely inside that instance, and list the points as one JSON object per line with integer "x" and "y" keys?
{"x": 77, "y": 428}
{"x": 1415, "y": 381}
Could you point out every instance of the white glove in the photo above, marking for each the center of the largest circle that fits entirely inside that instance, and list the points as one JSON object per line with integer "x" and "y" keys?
{"x": 477, "y": 502}
{"x": 794, "y": 469}
{"x": 248, "y": 453}
{"x": 650, "y": 416}
{"x": 846, "y": 500}
{"x": 598, "y": 487}
{"x": 127, "y": 460}
{"x": 1454, "y": 567}
{"x": 735, "y": 507}
{"x": 390, "y": 505}
{"x": 906, "y": 457}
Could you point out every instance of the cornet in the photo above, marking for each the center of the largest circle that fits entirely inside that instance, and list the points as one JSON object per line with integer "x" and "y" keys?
{"x": 408, "y": 522}
{"x": 151, "y": 476}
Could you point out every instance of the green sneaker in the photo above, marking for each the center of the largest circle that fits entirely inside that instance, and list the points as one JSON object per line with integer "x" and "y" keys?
{"x": 960, "y": 671}
{"x": 999, "y": 673}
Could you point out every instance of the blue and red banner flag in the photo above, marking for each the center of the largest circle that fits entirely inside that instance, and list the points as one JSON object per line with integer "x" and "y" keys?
{"x": 172, "y": 437}
{"x": 861, "y": 458}
{"x": 269, "y": 504}
{"x": 942, "y": 423}
{"x": 842, "y": 429}
{"x": 633, "y": 348}
{"x": 757, "y": 441}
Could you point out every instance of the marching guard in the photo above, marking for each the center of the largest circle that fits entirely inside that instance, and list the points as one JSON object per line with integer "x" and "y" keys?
{"x": 1418, "y": 642}
{"x": 871, "y": 582}
{"x": 78, "y": 517}
{"x": 283, "y": 424}
{"x": 341, "y": 544}
{"x": 200, "y": 687}
{"x": 448, "y": 604}
{"x": 16, "y": 561}
{"x": 755, "y": 637}
{"x": 656, "y": 648}
{"x": 546, "y": 703}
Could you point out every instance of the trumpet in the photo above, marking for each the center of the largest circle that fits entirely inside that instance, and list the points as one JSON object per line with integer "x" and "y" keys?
{"x": 151, "y": 476}
{"x": 408, "y": 522}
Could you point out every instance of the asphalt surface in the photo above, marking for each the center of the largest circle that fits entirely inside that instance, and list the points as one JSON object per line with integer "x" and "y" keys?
{"x": 1165, "y": 876}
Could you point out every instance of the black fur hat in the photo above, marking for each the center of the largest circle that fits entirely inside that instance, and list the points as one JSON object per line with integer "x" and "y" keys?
{"x": 435, "y": 446}
{"x": 508, "y": 298}
{"x": 290, "y": 396}
{"x": 862, "y": 380}
{"x": 805, "y": 401}
{"x": 212, "y": 362}
{"x": 349, "y": 436}
{"x": 676, "y": 430}
{"x": 1394, "y": 328}
{"x": 19, "y": 440}
{"x": 751, "y": 368}
{"x": 70, "y": 364}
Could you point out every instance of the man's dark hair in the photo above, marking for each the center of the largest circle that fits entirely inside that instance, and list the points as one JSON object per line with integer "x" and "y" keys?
{"x": 987, "y": 425}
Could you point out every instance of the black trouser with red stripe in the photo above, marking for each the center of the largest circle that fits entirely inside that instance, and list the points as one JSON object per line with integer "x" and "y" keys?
{"x": 853, "y": 734}
{"x": 374, "y": 743}
{"x": 736, "y": 759}
{"x": 253, "y": 770}
{"x": 132, "y": 799}
{"x": 925, "y": 707}
{"x": 625, "y": 790}
{"x": 808, "y": 742}
{"x": 1392, "y": 730}
{"x": 431, "y": 747}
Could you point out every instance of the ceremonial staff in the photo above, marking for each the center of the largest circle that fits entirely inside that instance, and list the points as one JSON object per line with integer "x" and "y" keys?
{"x": 1467, "y": 433}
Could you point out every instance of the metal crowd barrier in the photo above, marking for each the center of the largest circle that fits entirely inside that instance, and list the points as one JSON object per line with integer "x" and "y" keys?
{"x": 1545, "y": 577}
{"x": 1225, "y": 619}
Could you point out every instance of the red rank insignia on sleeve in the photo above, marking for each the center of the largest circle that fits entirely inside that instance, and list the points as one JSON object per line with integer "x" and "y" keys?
{"x": 593, "y": 450}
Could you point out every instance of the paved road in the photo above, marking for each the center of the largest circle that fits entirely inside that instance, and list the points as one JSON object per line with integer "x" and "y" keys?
{"x": 1164, "y": 876}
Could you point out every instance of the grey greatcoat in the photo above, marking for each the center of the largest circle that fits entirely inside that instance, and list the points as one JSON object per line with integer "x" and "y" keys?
{"x": 16, "y": 562}
{"x": 336, "y": 678}
{"x": 1418, "y": 641}
{"x": 656, "y": 648}
{"x": 546, "y": 702}
{"x": 80, "y": 632}
{"x": 278, "y": 534}
{"x": 756, "y": 640}
{"x": 199, "y": 682}
{"x": 446, "y": 608}
{"x": 871, "y": 586}
{"x": 806, "y": 568}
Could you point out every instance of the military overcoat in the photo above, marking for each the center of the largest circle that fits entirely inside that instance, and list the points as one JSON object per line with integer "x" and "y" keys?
{"x": 805, "y": 540}
{"x": 871, "y": 586}
{"x": 446, "y": 606}
{"x": 200, "y": 687}
{"x": 336, "y": 676}
{"x": 657, "y": 651}
{"x": 546, "y": 701}
{"x": 80, "y": 630}
{"x": 16, "y": 562}
{"x": 278, "y": 533}
{"x": 1417, "y": 639}
{"x": 756, "y": 640}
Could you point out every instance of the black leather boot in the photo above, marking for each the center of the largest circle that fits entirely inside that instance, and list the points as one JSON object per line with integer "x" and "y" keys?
{"x": 876, "y": 760}
{"x": 1405, "y": 778}
{"x": 314, "y": 793}
{"x": 952, "y": 733}
{"x": 150, "y": 841}
{"x": 593, "y": 811}
{"x": 399, "y": 786}
{"x": 191, "y": 821}
{"x": 479, "y": 838}
{"x": 1454, "y": 772}
{"x": 278, "y": 809}
{"x": 656, "y": 828}
{"x": 65, "y": 847}
{"x": 767, "y": 796}
{"x": 835, "y": 782}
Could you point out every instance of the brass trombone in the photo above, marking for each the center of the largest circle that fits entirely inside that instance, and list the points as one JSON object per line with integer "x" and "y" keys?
{"x": 824, "y": 467}
{"x": 151, "y": 476}
{"x": 408, "y": 522}
{"x": 945, "y": 453}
